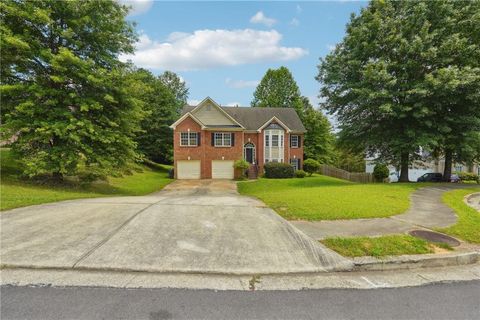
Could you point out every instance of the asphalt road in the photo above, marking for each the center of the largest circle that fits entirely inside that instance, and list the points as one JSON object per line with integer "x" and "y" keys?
{"x": 460, "y": 300}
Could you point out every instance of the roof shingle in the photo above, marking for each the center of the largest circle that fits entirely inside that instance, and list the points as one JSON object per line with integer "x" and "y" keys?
{"x": 253, "y": 118}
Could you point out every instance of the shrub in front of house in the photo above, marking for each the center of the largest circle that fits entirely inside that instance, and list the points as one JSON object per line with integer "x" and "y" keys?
{"x": 242, "y": 166}
{"x": 380, "y": 172}
{"x": 279, "y": 170}
{"x": 311, "y": 166}
{"x": 468, "y": 176}
{"x": 300, "y": 174}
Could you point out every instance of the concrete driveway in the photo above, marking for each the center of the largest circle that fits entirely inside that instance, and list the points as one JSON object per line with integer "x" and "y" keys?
{"x": 191, "y": 226}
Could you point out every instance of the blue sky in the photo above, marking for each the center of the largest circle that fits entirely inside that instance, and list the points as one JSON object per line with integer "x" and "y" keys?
{"x": 222, "y": 49}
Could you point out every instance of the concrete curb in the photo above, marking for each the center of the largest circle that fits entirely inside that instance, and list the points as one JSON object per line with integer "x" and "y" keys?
{"x": 415, "y": 261}
{"x": 132, "y": 280}
{"x": 360, "y": 264}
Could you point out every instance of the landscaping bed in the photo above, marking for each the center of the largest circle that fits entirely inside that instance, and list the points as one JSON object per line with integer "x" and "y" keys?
{"x": 18, "y": 192}
{"x": 325, "y": 198}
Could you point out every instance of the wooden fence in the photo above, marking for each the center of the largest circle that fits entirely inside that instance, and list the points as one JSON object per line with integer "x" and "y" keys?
{"x": 361, "y": 177}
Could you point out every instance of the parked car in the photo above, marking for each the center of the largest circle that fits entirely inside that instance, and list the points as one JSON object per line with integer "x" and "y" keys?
{"x": 455, "y": 178}
{"x": 431, "y": 177}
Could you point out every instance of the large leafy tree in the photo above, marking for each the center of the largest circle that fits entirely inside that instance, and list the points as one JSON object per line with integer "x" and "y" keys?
{"x": 319, "y": 139}
{"x": 380, "y": 80}
{"x": 177, "y": 86}
{"x": 163, "y": 100}
{"x": 64, "y": 92}
{"x": 278, "y": 89}
{"x": 453, "y": 85}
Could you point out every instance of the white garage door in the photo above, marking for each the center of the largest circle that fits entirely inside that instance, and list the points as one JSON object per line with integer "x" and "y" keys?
{"x": 188, "y": 169}
{"x": 222, "y": 169}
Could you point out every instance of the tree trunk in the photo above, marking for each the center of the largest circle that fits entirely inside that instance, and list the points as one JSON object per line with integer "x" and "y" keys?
{"x": 404, "y": 167}
{"x": 447, "y": 171}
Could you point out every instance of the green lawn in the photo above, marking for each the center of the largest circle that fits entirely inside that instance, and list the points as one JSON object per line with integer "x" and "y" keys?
{"x": 391, "y": 245}
{"x": 17, "y": 192}
{"x": 325, "y": 198}
{"x": 468, "y": 226}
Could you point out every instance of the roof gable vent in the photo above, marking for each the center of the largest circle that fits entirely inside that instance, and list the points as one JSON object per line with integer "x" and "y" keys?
{"x": 275, "y": 126}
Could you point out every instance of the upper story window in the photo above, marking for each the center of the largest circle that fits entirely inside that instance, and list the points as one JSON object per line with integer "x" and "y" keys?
{"x": 294, "y": 141}
{"x": 189, "y": 139}
{"x": 223, "y": 139}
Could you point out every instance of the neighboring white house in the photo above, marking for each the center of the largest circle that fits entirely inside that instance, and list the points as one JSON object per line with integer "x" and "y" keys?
{"x": 420, "y": 168}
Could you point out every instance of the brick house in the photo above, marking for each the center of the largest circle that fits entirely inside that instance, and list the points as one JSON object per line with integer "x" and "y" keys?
{"x": 208, "y": 139}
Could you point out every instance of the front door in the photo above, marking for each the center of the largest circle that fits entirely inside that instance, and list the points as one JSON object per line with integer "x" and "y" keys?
{"x": 249, "y": 151}
{"x": 249, "y": 155}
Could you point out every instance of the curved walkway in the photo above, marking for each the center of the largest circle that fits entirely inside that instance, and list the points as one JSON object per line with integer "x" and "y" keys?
{"x": 473, "y": 200}
{"x": 426, "y": 211}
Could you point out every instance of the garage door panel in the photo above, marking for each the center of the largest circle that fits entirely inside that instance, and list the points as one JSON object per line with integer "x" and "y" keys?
{"x": 222, "y": 169}
{"x": 188, "y": 169}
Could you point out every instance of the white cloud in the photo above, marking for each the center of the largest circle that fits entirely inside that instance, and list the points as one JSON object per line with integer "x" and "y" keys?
{"x": 259, "y": 17}
{"x": 233, "y": 104}
{"x": 294, "y": 22}
{"x": 239, "y": 84}
{"x": 137, "y": 6}
{"x": 205, "y": 49}
{"x": 299, "y": 9}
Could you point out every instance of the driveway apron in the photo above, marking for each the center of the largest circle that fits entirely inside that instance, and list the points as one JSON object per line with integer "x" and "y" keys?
{"x": 191, "y": 226}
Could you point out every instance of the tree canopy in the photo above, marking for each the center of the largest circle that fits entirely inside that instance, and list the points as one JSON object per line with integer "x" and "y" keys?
{"x": 319, "y": 140}
{"x": 163, "y": 97}
{"x": 177, "y": 86}
{"x": 384, "y": 80}
{"x": 65, "y": 93}
{"x": 278, "y": 89}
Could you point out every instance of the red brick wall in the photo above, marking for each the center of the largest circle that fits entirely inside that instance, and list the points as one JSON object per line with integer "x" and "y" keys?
{"x": 205, "y": 152}
{"x": 182, "y": 153}
{"x": 297, "y": 152}
{"x": 220, "y": 153}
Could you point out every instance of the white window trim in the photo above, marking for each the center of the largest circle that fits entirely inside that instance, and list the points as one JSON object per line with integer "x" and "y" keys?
{"x": 189, "y": 137}
{"x": 294, "y": 143}
{"x": 250, "y": 145}
{"x": 223, "y": 135}
{"x": 268, "y": 148}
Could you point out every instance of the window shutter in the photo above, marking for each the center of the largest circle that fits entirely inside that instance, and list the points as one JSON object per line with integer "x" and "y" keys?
{"x": 299, "y": 141}
{"x": 232, "y": 138}
{"x": 299, "y": 163}
{"x": 198, "y": 138}
{"x": 290, "y": 141}
{"x": 213, "y": 139}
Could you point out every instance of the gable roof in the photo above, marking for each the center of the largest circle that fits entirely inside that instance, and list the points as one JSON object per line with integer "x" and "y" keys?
{"x": 183, "y": 117}
{"x": 253, "y": 118}
{"x": 203, "y": 112}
